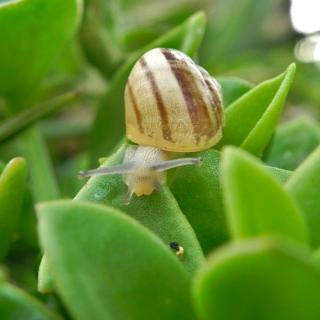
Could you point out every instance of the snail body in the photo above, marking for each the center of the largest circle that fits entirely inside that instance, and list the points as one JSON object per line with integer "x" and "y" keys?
{"x": 172, "y": 105}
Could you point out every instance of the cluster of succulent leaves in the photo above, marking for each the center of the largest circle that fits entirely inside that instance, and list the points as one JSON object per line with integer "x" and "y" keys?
{"x": 249, "y": 227}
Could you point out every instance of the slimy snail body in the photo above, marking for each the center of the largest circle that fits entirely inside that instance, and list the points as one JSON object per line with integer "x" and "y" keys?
{"x": 172, "y": 105}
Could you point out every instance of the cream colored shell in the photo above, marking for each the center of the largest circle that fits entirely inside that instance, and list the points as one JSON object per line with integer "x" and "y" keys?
{"x": 172, "y": 104}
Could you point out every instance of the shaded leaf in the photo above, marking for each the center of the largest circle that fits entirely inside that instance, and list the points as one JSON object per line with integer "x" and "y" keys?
{"x": 304, "y": 185}
{"x": 12, "y": 190}
{"x": 233, "y": 88}
{"x": 251, "y": 120}
{"x": 204, "y": 209}
{"x": 255, "y": 202}
{"x": 108, "y": 127}
{"x": 16, "y": 304}
{"x": 293, "y": 142}
{"x": 258, "y": 279}
{"x": 125, "y": 273}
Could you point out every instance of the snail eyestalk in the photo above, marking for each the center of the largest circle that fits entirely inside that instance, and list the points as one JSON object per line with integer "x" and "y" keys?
{"x": 170, "y": 164}
{"x": 143, "y": 169}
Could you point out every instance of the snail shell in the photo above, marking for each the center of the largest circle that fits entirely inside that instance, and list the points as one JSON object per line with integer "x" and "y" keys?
{"x": 172, "y": 103}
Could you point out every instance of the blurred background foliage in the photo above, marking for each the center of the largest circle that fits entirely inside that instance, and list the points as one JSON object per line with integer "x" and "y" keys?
{"x": 249, "y": 39}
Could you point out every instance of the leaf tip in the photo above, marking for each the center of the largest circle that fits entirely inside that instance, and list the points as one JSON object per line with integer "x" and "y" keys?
{"x": 198, "y": 18}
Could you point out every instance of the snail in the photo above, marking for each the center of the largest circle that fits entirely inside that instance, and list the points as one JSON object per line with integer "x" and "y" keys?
{"x": 172, "y": 105}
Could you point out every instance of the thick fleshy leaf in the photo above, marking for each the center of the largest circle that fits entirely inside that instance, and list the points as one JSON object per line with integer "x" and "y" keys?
{"x": 16, "y": 304}
{"x": 109, "y": 126}
{"x": 255, "y": 202}
{"x": 159, "y": 212}
{"x": 12, "y": 191}
{"x": 233, "y": 88}
{"x": 293, "y": 142}
{"x": 258, "y": 279}
{"x": 251, "y": 120}
{"x": 107, "y": 266}
{"x": 304, "y": 185}
{"x": 204, "y": 210}
{"x": 43, "y": 29}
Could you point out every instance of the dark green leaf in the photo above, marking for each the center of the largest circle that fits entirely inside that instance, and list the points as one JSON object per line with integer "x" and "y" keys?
{"x": 16, "y": 304}
{"x": 233, "y": 88}
{"x": 293, "y": 142}
{"x": 107, "y": 266}
{"x": 204, "y": 210}
{"x": 258, "y": 279}
{"x": 255, "y": 202}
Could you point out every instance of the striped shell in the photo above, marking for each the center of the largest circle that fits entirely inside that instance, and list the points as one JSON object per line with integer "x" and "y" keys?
{"x": 172, "y": 103}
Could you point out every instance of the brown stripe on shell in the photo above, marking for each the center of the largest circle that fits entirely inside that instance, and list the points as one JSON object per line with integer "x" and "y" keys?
{"x": 196, "y": 106}
{"x": 217, "y": 101}
{"x": 135, "y": 107}
{"x": 166, "y": 133}
{"x": 214, "y": 97}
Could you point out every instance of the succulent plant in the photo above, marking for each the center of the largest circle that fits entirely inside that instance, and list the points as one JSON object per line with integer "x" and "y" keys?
{"x": 246, "y": 221}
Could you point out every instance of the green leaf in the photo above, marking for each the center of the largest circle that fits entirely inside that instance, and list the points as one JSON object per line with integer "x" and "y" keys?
{"x": 238, "y": 27}
{"x": 233, "y": 88}
{"x": 251, "y": 120}
{"x": 43, "y": 29}
{"x": 107, "y": 266}
{"x": 293, "y": 142}
{"x": 149, "y": 210}
{"x": 255, "y": 202}
{"x": 13, "y": 125}
{"x": 304, "y": 185}
{"x": 280, "y": 174}
{"x": 258, "y": 279}
{"x": 43, "y": 183}
{"x": 45, "y": 280}
{"x": 204, "y": 210}
{"x": 98, "y": 43}
{"x": 108, "y": 127}
{"x": 159, "y": 211}
{"x": 12, "y": 190}
{"x": 16, "y": 304}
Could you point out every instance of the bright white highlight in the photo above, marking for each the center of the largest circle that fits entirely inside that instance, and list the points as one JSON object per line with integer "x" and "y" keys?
{"x": 305, "y": 15}
{"x": 308, "y": 49}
